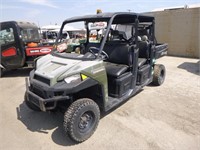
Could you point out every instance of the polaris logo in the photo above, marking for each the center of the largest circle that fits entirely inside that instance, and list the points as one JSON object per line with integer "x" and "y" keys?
{"x": 43, "y": 50}
{"x": 164, "y": 53}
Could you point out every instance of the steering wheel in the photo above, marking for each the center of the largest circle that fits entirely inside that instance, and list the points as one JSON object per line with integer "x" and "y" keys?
{"x": 93, "y": 49}
{"x": 105, "y": 55}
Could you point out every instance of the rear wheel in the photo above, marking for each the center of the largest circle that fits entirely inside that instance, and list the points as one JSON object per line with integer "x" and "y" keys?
{"x": 81, "y": 119}
{"x": 159, "y": 74}
{"x": 1, "y": 72}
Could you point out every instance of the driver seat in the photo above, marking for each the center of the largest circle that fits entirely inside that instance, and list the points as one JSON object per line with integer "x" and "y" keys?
{"x": 118, "y": 61}
{"x": 117, "y": 68}
{"x": 118, "y": 35}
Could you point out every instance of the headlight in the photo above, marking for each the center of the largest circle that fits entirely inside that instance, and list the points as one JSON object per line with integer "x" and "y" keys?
{"x": 74, "y": 78}
{"x": 35, "y": 62}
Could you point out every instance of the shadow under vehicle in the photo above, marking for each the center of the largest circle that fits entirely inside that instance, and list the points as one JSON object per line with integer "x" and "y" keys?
{"x": 115, "y": 61}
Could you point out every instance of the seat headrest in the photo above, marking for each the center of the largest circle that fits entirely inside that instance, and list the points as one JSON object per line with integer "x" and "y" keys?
{"x": 123, "y": 34}
{"x": 118, "y": 34}
{"x": 114, "y": 32}
{"x": 144, "y": 38}
{"x": 139, "y": 39}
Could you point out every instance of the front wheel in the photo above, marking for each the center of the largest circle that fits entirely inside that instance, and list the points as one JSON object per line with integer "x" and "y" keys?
{"x": 159, "y": 74}
{"x": 81, "y": 119}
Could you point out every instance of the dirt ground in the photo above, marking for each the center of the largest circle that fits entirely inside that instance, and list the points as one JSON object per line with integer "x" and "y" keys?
{"x": 157, "y": 118}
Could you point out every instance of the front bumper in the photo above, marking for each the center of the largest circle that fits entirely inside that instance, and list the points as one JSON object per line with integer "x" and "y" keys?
{"x": 43, "y": 103}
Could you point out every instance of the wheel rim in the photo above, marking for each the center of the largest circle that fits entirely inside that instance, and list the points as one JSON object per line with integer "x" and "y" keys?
{"x": 86, "y": 121}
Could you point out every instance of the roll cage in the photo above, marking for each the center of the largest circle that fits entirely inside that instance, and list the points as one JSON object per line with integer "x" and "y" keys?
{"x": 138, "y": 21}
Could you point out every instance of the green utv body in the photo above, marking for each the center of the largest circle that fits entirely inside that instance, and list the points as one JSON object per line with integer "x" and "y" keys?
{"x": 110, "y": 60}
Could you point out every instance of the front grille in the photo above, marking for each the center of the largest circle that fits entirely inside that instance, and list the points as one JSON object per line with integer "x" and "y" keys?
{"x": 39, "y": 92}
{"x": 42, "y": 79}
{"x": 59, "y": 93}
{"x": 34, "y": 100}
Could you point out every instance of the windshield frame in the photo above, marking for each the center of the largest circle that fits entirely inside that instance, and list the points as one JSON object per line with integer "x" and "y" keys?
{"x": 86, "y": 21}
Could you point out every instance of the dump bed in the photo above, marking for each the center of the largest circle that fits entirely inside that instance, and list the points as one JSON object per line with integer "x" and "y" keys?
{"x": 161, "y": 50}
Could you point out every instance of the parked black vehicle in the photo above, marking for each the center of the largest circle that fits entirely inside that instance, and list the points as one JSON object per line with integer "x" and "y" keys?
{"x": 117, "y": 59}
{"x": 19, "y": 45}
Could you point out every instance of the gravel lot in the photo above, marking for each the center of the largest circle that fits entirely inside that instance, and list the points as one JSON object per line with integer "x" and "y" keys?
{"x": 165, "y": 117}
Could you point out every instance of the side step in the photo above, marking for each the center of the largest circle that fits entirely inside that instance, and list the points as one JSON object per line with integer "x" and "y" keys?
{"x": 113, "y": 102}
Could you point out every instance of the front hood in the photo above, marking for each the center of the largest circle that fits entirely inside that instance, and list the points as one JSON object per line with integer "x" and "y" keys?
{"x": 56, "y": 68}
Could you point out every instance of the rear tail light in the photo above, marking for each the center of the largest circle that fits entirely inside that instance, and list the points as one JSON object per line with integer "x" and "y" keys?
{"x": 9, "y": 52}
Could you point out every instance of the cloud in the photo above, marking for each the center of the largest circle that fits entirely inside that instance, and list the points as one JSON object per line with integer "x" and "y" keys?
{"x": 40, "y": 2}
{"x": 10, "y": 7}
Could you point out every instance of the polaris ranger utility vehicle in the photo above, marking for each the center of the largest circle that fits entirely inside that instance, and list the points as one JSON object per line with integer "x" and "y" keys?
{"x": 115, "y": 60}
{"x": 19, "y": 45}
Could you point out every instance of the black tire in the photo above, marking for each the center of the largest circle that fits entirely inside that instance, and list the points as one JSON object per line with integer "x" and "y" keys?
{"x": 30, "y": 105}
{"x": 81, "y": 119}
{"x": 1, "y": 72}
{"x": 159, "y": 74}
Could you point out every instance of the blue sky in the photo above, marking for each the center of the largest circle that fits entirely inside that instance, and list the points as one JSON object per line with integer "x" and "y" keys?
{"x": 44, "y": 12}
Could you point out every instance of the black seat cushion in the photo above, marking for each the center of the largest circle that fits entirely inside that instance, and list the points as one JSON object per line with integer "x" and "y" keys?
{"x": 141, "y": 61}
{"x": 115, "y": 70}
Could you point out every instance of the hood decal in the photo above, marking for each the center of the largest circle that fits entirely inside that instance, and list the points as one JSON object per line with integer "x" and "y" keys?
{"x": 53, "y": 67}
